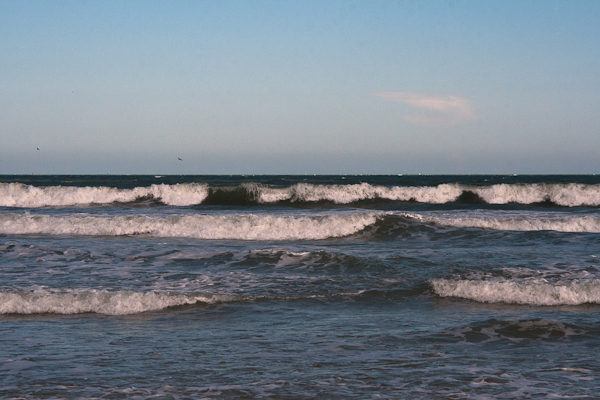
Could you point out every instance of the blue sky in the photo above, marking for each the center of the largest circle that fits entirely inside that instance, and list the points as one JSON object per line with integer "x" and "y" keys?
{"x": 282, "y": 87}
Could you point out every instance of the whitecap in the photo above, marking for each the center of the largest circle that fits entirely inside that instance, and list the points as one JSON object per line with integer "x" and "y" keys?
{"x": 95, "y": 301}
{"x": 538, "y": 292}
{"x": 586, "y": 223}
{"x": 218, "y": 227}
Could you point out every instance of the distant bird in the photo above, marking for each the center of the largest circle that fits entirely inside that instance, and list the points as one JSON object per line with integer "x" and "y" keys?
{"x": 37, "y": 148}
{"x": 179, "y": 159}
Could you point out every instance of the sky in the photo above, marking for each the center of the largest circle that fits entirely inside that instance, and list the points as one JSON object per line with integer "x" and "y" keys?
{"x": 299, "y": 87}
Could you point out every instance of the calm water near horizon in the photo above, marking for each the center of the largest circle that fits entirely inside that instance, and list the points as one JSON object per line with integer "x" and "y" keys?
{"x": 299, "y": 287}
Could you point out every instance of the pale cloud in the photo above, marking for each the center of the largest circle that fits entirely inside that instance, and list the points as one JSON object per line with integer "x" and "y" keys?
{"x": 432, "y": 109}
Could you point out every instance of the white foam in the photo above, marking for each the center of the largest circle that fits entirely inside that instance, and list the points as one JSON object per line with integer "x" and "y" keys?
{"x": 538, "y": 292}
{"x": 184, "y": 194}
{"x": 232, "y": 226}
{"x": 587, "y": 223}
{"x": 346, "y": 194}
{"x": 78, "y": 301}
{"x": 571, "y": 194}
{"x": 20, "y": 195}
{"x": 97, "y": 301}
{"x": 562, "y": 194}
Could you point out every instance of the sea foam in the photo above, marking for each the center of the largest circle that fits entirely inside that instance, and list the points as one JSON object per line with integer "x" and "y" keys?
{"x": 561, "y": 194}
{"x": 346, "y": 194}
{"x": 569, "y": 195}
{"x": 537, "y": 292}
{"x": 95, "y": 301}
{"x": 186, "y": 194}
{"x": 122, "y": 302}
{"x": 20, "y": 195}
{"x": 226, "y": 227}
{"x": 587, "y": 223}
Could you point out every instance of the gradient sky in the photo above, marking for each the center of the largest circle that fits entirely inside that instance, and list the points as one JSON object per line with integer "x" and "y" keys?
{"x": 279, "y": 87}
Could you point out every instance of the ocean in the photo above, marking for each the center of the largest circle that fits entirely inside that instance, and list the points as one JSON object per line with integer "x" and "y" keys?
{"x": 299, "y": 287}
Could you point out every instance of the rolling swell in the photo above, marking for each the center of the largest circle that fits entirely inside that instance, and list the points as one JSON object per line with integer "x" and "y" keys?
{"x": 304, "y": 194}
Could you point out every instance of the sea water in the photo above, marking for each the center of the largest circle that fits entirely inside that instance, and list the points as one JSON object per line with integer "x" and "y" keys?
{"x": 295, "y": 287}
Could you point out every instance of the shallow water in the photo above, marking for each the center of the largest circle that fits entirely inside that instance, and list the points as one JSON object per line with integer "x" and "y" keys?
{"x": 299, "y": 287}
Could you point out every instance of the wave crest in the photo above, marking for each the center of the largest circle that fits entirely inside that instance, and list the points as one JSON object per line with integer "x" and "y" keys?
{"x": 123, "y": 302}
{"x": 537, "y": 292}
{"x": 221, "y": 227}
{"x": 567, "y": 195}
{"x": 21, "y": 195}
{"x": 587, "y": 223}
{"x": 95, "y": 301}
{"x": 186, "y": 194}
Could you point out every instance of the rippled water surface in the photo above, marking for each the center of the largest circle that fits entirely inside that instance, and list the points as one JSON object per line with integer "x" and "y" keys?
{"x": 299, "y": 287}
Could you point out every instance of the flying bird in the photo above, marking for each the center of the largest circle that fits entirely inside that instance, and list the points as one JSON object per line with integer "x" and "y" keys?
{"x": 37, "y": 148}
{"x": 179, "y": 159}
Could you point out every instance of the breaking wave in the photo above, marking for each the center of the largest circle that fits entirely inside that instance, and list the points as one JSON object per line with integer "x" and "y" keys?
{"x": 186, "y": 194}
{"x": 223, "y": 227}
{"x": 560, "y": 194}
{"x": 587, "y": 223}
{"x": 123, "y": 302}
{"x": 273, "y": 226}
{"x": 96, "y": 301}
{"x": 21, "y": 195}
{"x": 536, "y": 292}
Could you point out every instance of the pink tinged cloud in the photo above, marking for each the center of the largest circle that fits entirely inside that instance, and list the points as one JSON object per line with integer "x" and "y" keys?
{"x": 432, "y": 110}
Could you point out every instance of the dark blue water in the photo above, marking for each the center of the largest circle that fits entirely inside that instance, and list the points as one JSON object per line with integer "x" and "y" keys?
{"x": 299, "y": 286}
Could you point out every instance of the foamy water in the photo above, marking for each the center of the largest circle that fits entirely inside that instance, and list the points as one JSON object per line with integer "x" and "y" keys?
{"x": 236, "y": 227}
{"x": 586, "y": 223}
{"x": 186, "y": 194}
{"x": 94, "y": 301}
{"x": 20, "y": 195}
{"x": 537, "y": 292}
{"x": 569, "y": 195}
{"x": 299, "y": 287}
{"x": 80, "y": 301}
